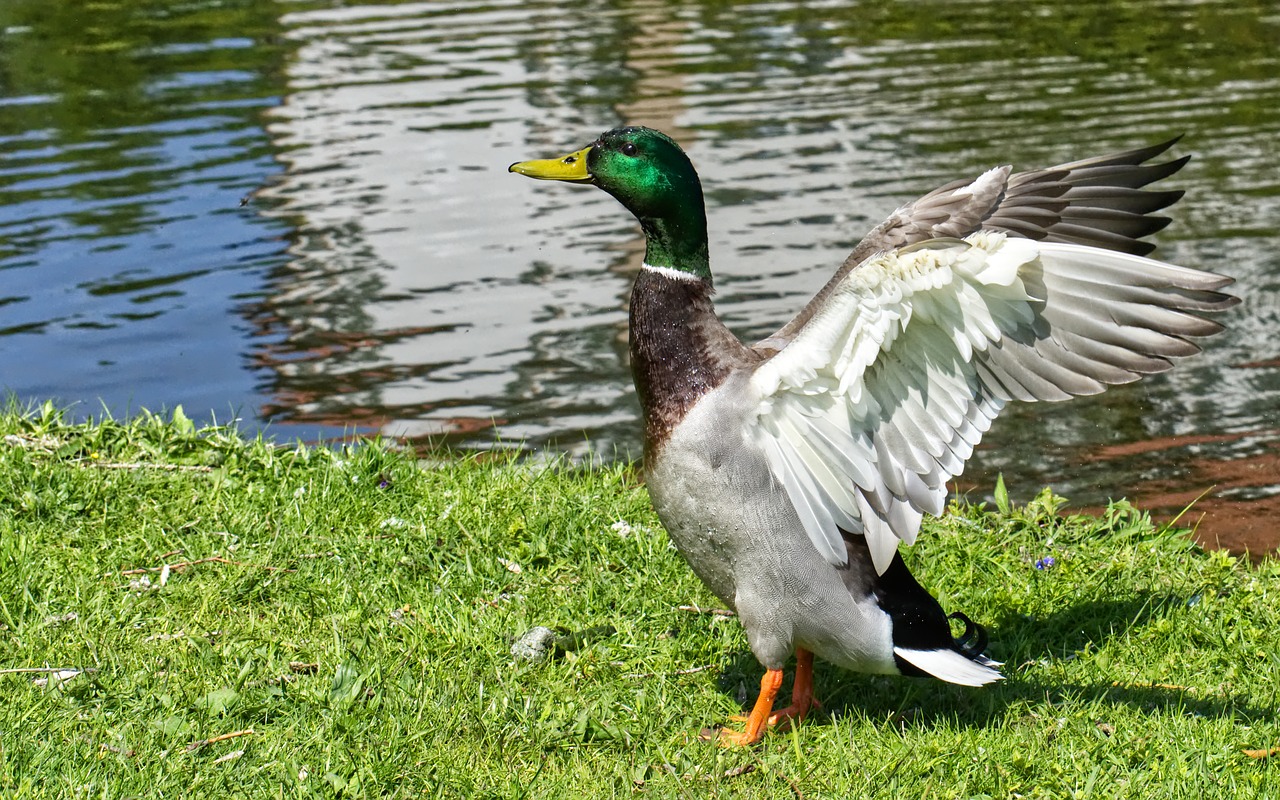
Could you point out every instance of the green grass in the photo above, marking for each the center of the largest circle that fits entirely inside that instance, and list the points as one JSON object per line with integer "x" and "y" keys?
{"x": 359, "y": 616}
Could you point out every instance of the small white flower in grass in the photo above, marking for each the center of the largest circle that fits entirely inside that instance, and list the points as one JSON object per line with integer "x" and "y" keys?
{"x": 623, "y": 528}
{"x": 511, "y": 565}
{"x": 299, "y": 492}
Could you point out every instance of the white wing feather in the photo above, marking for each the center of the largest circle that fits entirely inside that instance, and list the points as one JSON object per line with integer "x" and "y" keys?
{"x": 880, "y": 399}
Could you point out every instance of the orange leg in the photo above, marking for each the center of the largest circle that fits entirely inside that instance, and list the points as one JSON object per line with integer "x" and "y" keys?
{"x": 759, "y": 717}
{"x": 802, "y": 698}
{"x": 762, "y": 716}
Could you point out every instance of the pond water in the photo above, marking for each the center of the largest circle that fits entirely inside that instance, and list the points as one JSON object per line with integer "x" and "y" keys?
{"x": 298, "y": 214}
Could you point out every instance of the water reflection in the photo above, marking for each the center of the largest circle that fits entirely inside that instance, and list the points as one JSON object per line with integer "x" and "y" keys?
{"x": 389, "y": 276}
{"x": 128, "y": 137}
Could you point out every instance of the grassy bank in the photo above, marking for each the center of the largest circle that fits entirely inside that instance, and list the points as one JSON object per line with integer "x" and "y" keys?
{"x": 186, "y": 613}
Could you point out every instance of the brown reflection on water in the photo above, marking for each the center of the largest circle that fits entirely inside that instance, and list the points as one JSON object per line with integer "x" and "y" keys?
{"x": 1236, "y": 510}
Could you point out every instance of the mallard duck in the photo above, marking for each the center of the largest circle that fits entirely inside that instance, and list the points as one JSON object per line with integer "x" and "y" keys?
{"x": 788, "y": 472}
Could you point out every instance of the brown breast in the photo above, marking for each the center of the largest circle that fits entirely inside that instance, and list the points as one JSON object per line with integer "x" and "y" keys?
{"x": 680, "y": 350}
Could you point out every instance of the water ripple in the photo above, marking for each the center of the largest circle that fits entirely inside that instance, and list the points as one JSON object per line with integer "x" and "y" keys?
{"x": 389, "y": 275}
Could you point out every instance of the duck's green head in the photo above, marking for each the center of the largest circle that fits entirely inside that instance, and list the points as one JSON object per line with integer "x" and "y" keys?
{"x": 649, "y": 174}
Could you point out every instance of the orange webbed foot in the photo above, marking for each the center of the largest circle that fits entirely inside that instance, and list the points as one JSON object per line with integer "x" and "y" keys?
{"x": 762, "y": 716}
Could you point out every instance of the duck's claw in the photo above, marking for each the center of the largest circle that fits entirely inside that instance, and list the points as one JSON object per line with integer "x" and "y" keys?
{"x": 743, "y": 738}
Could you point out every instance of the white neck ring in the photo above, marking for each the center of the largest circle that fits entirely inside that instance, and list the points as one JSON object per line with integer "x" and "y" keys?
{"x": 675, "y": 274}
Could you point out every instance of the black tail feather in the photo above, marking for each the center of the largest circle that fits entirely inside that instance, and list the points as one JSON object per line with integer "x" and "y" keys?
{"x": 973, "y": 642}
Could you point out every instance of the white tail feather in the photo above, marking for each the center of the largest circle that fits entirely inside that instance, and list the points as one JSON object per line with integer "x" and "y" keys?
{"x": 950, "y": 666}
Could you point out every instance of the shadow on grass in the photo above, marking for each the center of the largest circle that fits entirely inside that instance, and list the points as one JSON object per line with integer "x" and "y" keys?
{"x": 1015, "y": 639}
{"x": 1018, "y": 638}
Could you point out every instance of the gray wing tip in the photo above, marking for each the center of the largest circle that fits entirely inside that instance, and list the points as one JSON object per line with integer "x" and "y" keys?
{"x": 1130, "y": 157}
{"x": 1098, "y": 201}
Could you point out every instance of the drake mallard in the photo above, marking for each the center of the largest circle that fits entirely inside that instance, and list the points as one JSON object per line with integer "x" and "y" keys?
{"x": 788, "y": 472}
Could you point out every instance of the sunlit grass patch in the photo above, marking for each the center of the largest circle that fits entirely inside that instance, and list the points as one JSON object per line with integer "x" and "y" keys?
{"x": 185, "y": 612}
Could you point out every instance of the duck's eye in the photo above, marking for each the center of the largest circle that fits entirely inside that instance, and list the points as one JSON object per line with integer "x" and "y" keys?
{"x": 629, "y": 149}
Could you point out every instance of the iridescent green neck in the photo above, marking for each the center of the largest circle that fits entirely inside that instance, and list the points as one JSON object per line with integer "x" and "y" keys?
{"x": 679, "y": 241}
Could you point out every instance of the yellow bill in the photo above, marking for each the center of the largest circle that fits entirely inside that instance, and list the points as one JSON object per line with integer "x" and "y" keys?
{"x": 572, "y": 168}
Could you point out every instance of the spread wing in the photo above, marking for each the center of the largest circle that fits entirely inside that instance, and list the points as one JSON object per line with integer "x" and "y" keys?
{"x": 1098, "y": 202}
{"x": 880, "y": 399}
